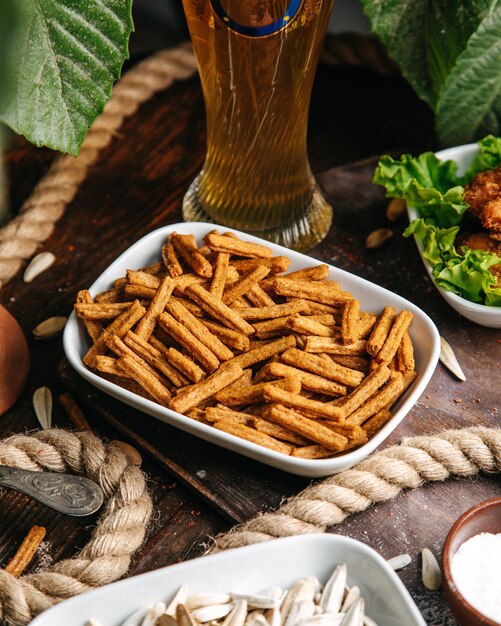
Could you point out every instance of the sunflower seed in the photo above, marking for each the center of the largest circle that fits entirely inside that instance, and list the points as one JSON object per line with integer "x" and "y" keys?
{"x": 399, "y": 562}
{"x": 93, "y": 622}
{"x": 237, "y": 615}
{"x": 352, "y": 595}
{"x": 395, "y": 209}
{"x": 273, "y": 617}
{"x": 377, "y": 238}
{"x": 38, "y": 264}
{"x": 137, "y": 617}
{"x": 42, "y": 403}
{"x": 256, "y": 618}
{"x": 332, "y": 595}
{"x": 206, "y": 599}
{"x": 448, "y": 358}
{"x": 50, "y": 327}
{"x": 179, "y": 598}
{"x": 303, "y": 589}
{"x": 300, "y": 611}
{"x": 326, "y": 619}
{"x": 368, "y": 621}
{"x": 268, "y": 599}
{"x": 211, "y": 612}
{"x": 184, "y": 617}
{"x": 166, "y": 620}
{"x": 153, "y": 614}
{"x": 430, "y": 574}
{"x": 355, "y": 614}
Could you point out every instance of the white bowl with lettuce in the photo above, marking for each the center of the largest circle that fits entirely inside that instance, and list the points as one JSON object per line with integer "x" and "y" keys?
{"x": 432, "y": 186}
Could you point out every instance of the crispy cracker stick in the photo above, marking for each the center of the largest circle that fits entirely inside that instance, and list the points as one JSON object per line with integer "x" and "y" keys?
{"x": 266, "y": 329}
{"x": 365, "y": 324}
{"x": 398, "y": 329}
{"x": 254, "y": 436}
{"x": 219, "y": 277}
{"x": 405, "y": 354}
{"x": 199, "y": 330}
{"x": 217, "y": 413}
{"x": 325, "y": 292}
{"x": 349, "y": 321}
{"x": 187, "y": 279}
{"x": 376, "y": 422}
{"x": 352, "y": 431}
{"x": 323, "y": 366}
{"x": 108, "y": 365}
{"x": 94, "y": 329}
{"x": 243, "y": 381}
{"x": 313, "y": 408}
{"x": 157, "y": 359}
{"x": 307, "y": 428}
{"x": 258, "y": 297}
{"x": 271, "y": 312}
{"x": 381, "y": 330}
{"x": 315, "y": 451}
{"x": 185, "y": 365}
{"x": 384, "y": 398}
{"x": 150, "y": 383}
{"x": 26, "y": 551}
{"x": 120, "y": 326}
{"x": 187, "y": 339}
{"x": 409, "y": 378}
{"x": 193, "y": 308}
{"x": 186, "y": 247}
{"x": 265, "y": 351}
{"x": 193, "y": 395}
{"x": 136, "y": 277}
{"x": 316, "y": 308}
{"x": 112, "y": 295}
{"x": 351, "y": 361}
{"x": 253, "y": 394}
{"x": 170, "y": 259}
{"x": 364, "y": 391}
{"x": 231, "y": 338}
{"x": 120, "y": 348}
{"x": 241, "y": 286}
{"x": 317, "y": 272}
{"x": 277, "y": 264}
{"x": 275, "y": 430}
{"x": 308, "y": 380}
{"x": 157, "y": 305}
{"x": 138, "y": 292}
{"x": 332, "y": 346}
{"x": 127, "y": 383}
{"x": 221, "y": 243}
{"x": 218, "y": 310}
{"x": 100, "y": 310}
{"x": 307, "y": 326}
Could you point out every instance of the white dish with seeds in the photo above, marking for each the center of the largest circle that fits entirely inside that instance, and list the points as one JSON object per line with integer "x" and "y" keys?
{"x": 372, "y": 298}
{"x": 244, "y": 573}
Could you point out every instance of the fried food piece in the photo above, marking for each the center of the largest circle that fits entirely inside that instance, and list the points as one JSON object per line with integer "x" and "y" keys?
{"x": 308, "y": 428}
{"x": 482, "y": 241}
{"x": 332, "y": 346}
{"x": 141, "y": 375}
{"x": 186, "y": 247}
{"x": 381, "y": 330}
{"x": 308, "y": 380}
{"x": 170, "y": 258}
{"x": 349, "y": 321}
{"x": 147, "y": 324}
{"x": 398, "y": 329}
{"x": 313, "y": 408}
{"x": 277, "y": 264}
{"x": 241, "y": 286}
{"x": 324, "y": 292}
{"x": 222, "y": 243}
{"x": 218, "y": 310}
{"x": 220, "y": 273}
{"x": 322, "y": 365}
{"x": 483, "y": 194}
{"x": 254, "y": 436}
{"x": 94, "y": 328}
{"x": 253, "y": 394}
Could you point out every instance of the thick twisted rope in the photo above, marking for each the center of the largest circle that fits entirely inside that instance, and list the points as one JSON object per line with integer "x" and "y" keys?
{"x": 380, "y": 477}
{"x": 119, "y": 532}
{"x": 20, "y": 238}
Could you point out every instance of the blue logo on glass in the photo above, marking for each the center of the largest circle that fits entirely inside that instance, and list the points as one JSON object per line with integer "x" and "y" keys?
{"x": 257, "y": 31}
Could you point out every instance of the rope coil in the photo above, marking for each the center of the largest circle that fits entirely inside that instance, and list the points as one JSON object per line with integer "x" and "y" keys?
{"x": 119, "y": 532}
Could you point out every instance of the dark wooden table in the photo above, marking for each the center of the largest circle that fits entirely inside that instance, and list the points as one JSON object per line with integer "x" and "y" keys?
{"x": 200, "y": 489}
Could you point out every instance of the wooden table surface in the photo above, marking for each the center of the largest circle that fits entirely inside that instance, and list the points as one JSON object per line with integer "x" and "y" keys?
{"x": 200, "y": 489}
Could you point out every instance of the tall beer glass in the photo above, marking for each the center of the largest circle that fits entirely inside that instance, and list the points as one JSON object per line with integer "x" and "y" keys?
{"x": 257, "y": 60}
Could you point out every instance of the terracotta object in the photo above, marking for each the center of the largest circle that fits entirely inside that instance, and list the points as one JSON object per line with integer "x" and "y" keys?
{"x": 482, "y": 518}
{"x": 14, "y": 360}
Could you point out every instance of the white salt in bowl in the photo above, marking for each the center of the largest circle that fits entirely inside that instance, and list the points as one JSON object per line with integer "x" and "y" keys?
{"x": 481, "y": 314}
{"x": 423, "y": 332}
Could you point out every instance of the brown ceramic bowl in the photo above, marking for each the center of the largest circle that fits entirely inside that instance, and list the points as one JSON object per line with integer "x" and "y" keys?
{"x": 482, "y": 518}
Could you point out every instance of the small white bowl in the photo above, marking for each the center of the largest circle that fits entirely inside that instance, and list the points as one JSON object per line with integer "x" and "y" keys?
{"x": 489, "y": 316}
{"x": 250, "y": 570}
{"x": 372, "y": 297}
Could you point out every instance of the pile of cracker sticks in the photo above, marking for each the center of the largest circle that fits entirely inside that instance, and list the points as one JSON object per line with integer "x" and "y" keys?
{"x": 216, "y": 333}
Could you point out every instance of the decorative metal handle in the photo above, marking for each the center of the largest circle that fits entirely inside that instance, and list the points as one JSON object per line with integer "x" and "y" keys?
{"x": 73, "y": 495}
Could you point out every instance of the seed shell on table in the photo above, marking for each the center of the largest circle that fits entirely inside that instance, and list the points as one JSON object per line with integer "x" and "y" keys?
{"x": 431, "y": 574}
{"x": 378, "y": 238}
{"x": 50, "y": 328}
{"x": 395, "y": 209}
{"x": 38, "y": 264}
{"x": 399, "y": 562}
{"x": 42, "y": 404}
{"x": 449, "y": 359}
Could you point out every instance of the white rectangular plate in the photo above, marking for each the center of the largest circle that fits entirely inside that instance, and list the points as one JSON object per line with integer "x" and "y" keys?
{"x": 251, "y": 569}
{"x": 372, "y": 297}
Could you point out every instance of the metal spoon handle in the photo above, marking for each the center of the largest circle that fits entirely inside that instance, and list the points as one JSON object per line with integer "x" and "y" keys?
{"x": 73, "y": 495}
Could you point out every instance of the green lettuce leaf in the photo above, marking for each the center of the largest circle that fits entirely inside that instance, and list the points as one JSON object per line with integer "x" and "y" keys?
{"x": 425, "y": 182}
{"x": 488, "y": 157}
{"x": 63, "y": 66}
{"x": 466, "y": 273}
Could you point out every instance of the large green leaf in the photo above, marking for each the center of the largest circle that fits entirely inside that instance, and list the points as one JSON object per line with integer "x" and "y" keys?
{"x": 63, "y": 68}
{"x": 470, "y": 100}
